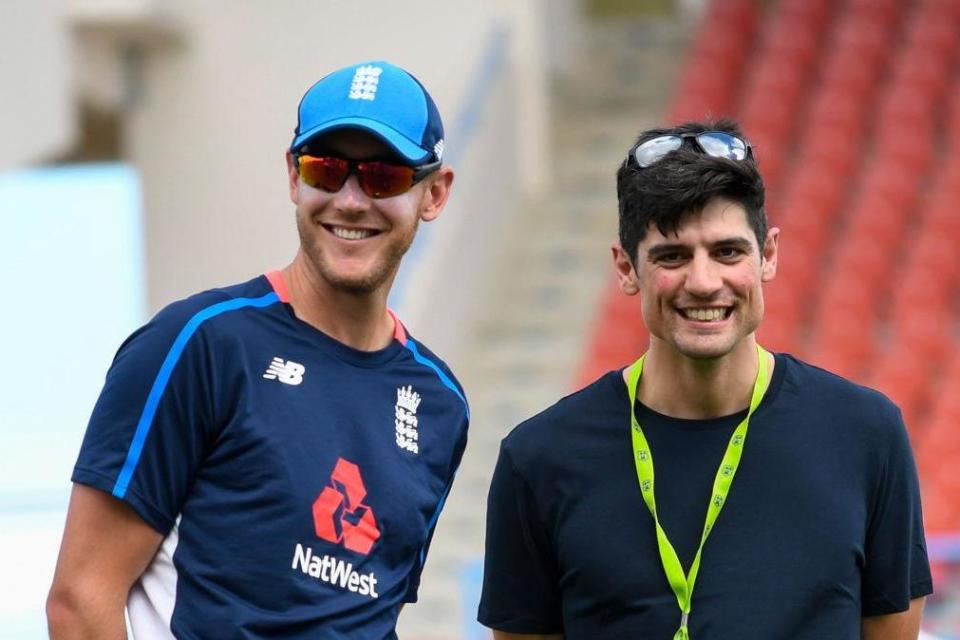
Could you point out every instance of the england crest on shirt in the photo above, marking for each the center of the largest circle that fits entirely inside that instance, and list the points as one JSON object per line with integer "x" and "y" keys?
{"x": 405, "y": 419}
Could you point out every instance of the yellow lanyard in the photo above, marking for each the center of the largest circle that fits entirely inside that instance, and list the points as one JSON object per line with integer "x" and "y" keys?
{"x": 681, "y": 584}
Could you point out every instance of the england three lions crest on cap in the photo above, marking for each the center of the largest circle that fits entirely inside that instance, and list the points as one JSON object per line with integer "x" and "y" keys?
{"x": 405, "y": 419}
{"x": 365, "y": 82}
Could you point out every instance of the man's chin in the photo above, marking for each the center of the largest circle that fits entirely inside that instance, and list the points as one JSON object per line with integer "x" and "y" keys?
{"x": 705, "y": 348}
{"x": 364, "y": 284}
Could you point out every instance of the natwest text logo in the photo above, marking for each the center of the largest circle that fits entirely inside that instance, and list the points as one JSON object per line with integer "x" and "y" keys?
{"x": 339, "y": 515}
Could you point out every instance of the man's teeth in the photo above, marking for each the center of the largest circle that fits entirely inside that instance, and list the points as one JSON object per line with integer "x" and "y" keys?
{"x": 351, "y": 234}
{"x": 705, "y": 315}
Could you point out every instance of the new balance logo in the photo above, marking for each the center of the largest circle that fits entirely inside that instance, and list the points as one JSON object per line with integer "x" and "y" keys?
{"x": 438, "y": 149}
{"x": 365, "y": 82}
{"x": 288, "y": 372}
{"x": 339, "y": 515}
{"x": 405, "y": 419}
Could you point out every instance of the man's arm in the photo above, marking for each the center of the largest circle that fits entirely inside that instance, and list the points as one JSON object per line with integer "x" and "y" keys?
{"x": 105, "y": 548}
{"x": 503, "y": 635}
{"x": 895, "y": 626}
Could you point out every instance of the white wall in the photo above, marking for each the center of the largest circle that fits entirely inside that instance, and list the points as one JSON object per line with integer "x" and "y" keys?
{"x": 36, "y": 81}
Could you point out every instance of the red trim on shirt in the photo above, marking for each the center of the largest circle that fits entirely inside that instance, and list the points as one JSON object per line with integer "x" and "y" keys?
{"x": 399, "y": 333}
{"x": 279, "y": 285}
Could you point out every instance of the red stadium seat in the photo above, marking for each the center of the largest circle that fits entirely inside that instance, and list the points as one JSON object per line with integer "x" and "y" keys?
{"x": 943, "y": 215}
{"x": 914, "y": 292}
{"x": 862, "y": 267}
{"x": 840, "y": 362}
{"x": 837, "y": 108}
{"x": 780, "y": 301}
{"x": 905, "y": 108}
{"x": 723, "y": 47}
{"x": 953, "y": 117}
{"x": 845, "y": 333}
{"x": 740, "y": 14}
{"x": 928, "y": 332}
{"x": 776, "y": 335}
{"x": 893, "y": 182}
{"x": 931, "y": 32}
{"x": 774, "y": 79}
{"x": 880, "y": 12}
{"x": 812, "y": 14}
{"x": 910, "y": 148}
{"x": 787, "y": 42}
{"x": 706, "y": 86}
{"x": 817, "y": 188}
{"x": 936, "y": 254}
{"x": 946, "y": 181}
{"x": 922, "y": 70}
{"x": 804, "y": 239}
{"x": 945, "y": 11}
{"x": 941, "y": 513}
{"x": 861, "y": 42}
{"x": 874, "y": 217}
{"x": 902, "y": 375}
{"x": 832, "y": 146}
{"x": 770, "y": 117}
{"x": 849, "y": 75}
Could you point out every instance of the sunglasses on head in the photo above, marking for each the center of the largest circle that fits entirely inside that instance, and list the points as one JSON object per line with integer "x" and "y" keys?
{"x": 717, "y": 144}
{"x": 377, "y": 178}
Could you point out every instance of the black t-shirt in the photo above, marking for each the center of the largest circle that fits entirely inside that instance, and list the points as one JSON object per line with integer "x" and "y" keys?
{"x": 821, "y": 527}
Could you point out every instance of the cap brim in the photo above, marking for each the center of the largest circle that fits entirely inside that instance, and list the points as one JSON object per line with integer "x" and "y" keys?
{"x": 401, "y": 144}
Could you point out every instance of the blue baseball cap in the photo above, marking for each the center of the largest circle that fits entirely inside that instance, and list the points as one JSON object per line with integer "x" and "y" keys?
{"x": 377, "y": 97}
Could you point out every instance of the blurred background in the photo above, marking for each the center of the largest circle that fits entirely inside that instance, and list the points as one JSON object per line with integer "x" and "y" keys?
{"x": 142, "y": 160}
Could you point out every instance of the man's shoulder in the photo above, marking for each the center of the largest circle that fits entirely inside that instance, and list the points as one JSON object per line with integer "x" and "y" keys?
{"x": 211, "y": 302}
{"x": 429, "y": 356}
{"x": 202, "y": 313}
{"x": 580, "y": 414}
{"x": 182, "y": 320}
{"x": 823, "y": 390}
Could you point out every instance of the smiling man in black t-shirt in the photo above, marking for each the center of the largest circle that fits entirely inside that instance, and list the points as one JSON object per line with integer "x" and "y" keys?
{"x": 712, "y": 490}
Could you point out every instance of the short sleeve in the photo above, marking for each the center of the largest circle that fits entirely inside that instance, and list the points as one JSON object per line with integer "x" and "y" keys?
{"x": 520, "y": 577}
{"x": 413, "y": 584}
{"x": 896, "y": 569}
{"x": 153, "y": 420}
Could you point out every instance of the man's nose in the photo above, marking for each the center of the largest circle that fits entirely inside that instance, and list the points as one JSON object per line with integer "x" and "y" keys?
{"x": 350, "y": 197}
{"x": 703, "y": 277}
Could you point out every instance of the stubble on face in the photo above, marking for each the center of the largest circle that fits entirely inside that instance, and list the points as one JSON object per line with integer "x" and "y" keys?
{"x": 380, "y": 273}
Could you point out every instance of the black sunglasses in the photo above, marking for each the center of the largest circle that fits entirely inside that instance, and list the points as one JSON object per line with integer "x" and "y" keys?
{"x": 717, "y": 144}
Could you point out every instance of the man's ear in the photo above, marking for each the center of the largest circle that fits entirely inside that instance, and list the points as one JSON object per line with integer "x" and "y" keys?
{"x": 293, "y": 178}
{"x": 626, "y": 273}
{"x": 436, "y": 194}
{"x": 768, "y": 266}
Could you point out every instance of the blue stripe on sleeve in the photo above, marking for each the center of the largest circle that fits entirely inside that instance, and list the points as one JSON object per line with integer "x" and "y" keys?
{"x": 163, "y": 377}
{"x": 444, "y": 378}
{"x": 435, "y": 518}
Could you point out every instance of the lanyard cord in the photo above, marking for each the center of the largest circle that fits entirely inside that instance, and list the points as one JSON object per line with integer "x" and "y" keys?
{"x": 681, "y": 584}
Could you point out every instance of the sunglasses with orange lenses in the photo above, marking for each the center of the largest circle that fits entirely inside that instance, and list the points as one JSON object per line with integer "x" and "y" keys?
{"x": 377, "y": 178}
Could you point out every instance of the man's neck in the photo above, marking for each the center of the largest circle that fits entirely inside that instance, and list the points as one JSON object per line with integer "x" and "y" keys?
{"x": 681, "y": 387}
{"x": 357, "y": 320}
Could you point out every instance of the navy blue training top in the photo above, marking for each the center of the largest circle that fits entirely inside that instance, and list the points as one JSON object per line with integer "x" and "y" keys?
{"x": 822, "y": 525}
{"x": 297, "y": 481}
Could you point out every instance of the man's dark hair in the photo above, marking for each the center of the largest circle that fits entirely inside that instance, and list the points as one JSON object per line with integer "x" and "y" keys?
{"x": 683, "y": 182}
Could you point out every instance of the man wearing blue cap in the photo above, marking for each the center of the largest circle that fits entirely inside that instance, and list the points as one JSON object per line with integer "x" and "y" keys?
{"x": 270, "y": 459}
